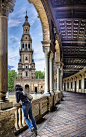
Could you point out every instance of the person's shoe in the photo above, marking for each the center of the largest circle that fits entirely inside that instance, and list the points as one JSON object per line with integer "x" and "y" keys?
{"x": 35, "y": 131}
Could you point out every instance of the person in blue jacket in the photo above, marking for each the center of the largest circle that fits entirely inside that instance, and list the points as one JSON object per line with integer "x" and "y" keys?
{"x": 22, "y": 98}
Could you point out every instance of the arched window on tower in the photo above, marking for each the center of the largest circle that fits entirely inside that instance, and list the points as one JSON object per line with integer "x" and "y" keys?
{"x": 26, "y": 66}
{"x": 26, "y": 74}
{"x": 26, "y": 30}
{"x": 29, "y": 46}
{"x": 22, "y": 45}
{"x": 26, "y": 58}
{"x": 26, "y": 46}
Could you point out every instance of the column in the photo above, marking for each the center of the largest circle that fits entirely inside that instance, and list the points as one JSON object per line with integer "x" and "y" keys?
{"x": 51, "y": 73}
{"x": 61, "y": 75}
{"x": 58, "y": 78}
{"x": 46, "y": 52}
{"x": 5, "y": 8}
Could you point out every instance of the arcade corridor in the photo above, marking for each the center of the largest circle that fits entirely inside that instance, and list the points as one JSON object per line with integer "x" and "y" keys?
{"x": 69, "y": 121}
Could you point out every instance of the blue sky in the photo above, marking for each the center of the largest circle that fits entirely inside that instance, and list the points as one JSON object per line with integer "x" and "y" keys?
{"x": 15, "y": 31}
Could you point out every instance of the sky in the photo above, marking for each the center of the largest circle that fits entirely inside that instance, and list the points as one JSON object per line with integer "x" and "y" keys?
{"x": 15, "y": 31}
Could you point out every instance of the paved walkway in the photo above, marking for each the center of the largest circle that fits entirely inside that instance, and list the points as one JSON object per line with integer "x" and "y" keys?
{"x": 68, "y": 121}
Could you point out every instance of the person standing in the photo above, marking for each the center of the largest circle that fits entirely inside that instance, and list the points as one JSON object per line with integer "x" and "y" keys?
{"x": 25, "y": 100}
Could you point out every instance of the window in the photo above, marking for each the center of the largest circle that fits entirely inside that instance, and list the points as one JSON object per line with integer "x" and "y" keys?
{"x": 85, "y": 83}
{"x": 22, "y": 45}
{"x": 26, "y": 30}
{"x": 29, "y": 46}
{"x": 32, "y": 77}
{"x": 26, "y": 74}
{"x": 26, "y": 45}
{"x": 26, "y": 37}
{"x": 71, "y": 84}
{"x": 26, "y": 66}
{"x": 67, "y": 84}
{"x": 79, "y": 84}
{"x": 41, "y": 86}
{"x": 26, "y": 58}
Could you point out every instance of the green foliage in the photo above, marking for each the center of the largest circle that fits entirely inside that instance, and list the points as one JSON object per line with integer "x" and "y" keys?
{"x": 41, "y": 74}
{"x": 11, "y": 77}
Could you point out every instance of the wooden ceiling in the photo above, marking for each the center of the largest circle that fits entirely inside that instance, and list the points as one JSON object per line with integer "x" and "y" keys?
{"x": 70, "y": 18}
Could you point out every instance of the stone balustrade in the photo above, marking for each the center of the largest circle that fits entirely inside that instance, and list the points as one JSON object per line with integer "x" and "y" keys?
{"x": 14, "y": 116}
{"x": 40, "y": 107}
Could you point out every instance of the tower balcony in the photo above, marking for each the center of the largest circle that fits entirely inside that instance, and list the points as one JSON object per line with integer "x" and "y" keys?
{"x": 26, "y": 68}
{"x": 26, "y": 49}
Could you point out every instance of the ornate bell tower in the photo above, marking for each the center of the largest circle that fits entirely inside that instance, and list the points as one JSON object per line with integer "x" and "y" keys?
{"x": 26, "y": 65}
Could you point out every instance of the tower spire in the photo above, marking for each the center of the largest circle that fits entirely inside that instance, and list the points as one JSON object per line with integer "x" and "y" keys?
{"x": 26, "y": 12}
{"x": 26, "y": 17}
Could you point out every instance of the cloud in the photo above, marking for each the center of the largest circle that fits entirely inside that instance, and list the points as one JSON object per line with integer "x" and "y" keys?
{"x": 16, "y": 18}
{"x": 13, "y": 23}
{"x": 14, "y": 39}
{"x": 40, "y": 64}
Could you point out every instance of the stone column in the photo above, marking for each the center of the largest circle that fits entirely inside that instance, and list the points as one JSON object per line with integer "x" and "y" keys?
{"x": 61, "y": 75}
{"x": 51, "y": 73}
{"x": 58, "y": 78}
{"x": 46, "y": 52}
{"x": 5, "y": 8}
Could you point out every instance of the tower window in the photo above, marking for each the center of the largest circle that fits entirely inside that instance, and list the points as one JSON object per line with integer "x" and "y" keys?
{"x": 67, "y": 84}
{"x": 26, "y": 30}
{"x": 26, "y": 58}
{"x": 41, "y": 86}
{"x": 22, "y": 45}
{"x": 26, "y": 37}
{"x": 29, "y": 46}
{"x": 26, "y": 66}
{"x": 26, "y": 74}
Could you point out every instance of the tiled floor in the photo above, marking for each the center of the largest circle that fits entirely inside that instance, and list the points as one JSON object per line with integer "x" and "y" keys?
{"x": 68, "y": 121}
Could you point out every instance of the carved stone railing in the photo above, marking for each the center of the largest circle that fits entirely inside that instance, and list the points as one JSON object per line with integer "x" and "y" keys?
{"x": 40, "y": 106}
{"x": 39, "y": 109}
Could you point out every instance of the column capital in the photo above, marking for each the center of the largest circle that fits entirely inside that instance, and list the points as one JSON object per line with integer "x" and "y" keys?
{"x": 46, "y": 43}
{"x": 6, "y": 7}
{"x": 46, "y": 50}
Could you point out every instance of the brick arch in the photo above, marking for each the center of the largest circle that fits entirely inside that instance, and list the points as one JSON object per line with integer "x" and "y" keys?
{"x": 43, "y": 17}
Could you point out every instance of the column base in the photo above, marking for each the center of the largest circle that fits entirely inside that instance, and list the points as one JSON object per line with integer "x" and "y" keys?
{"x": 6, "y": 105}
{"x": 46, "y": 94}
{"x": 52, "y": 93}
{"x": 59, "y": 91}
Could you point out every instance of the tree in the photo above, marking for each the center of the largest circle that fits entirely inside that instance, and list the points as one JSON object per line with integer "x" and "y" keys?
{"x": 40, "y": 73}
{"x": 11, "y": 77}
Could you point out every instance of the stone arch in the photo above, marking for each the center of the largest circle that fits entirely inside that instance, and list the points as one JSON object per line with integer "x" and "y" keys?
{"x": 43, "y": 17}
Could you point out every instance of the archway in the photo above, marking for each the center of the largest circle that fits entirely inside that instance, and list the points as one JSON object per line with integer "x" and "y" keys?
{"x": 35, "y": 89}
{"x": 27, "y": 89}
{"x": 8, "y": 7}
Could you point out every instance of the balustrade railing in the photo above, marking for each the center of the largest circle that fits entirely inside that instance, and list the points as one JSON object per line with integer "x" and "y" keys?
{"x": 39, "y": 108}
